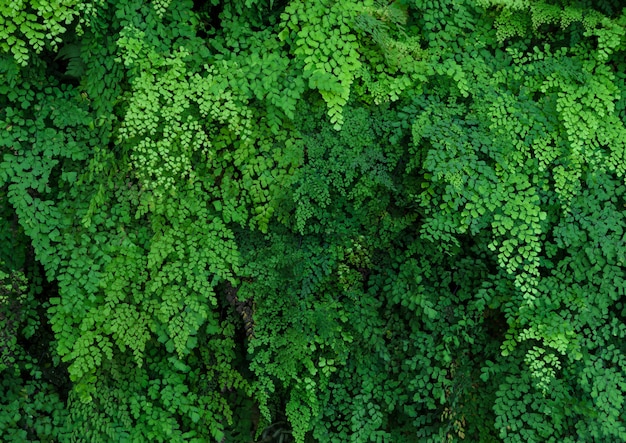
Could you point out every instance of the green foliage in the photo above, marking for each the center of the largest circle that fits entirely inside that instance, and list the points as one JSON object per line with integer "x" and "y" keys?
{"x": 273, "y": 220}
{"x": 31, "y": 26}
{"x": 31, "y": 407}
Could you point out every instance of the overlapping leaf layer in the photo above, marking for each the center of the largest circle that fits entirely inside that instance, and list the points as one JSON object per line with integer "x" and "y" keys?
{"x": 312, "y": 221}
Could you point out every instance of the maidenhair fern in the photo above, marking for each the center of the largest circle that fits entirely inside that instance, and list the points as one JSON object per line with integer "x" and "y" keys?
{"x": 294, "y": 221}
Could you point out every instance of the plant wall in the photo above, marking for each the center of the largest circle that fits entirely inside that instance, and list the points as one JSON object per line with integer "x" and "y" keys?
{"x": 312, "y": 221}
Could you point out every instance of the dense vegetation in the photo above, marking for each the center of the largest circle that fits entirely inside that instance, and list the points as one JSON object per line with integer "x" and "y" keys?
{"x": 312, "y": 221}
